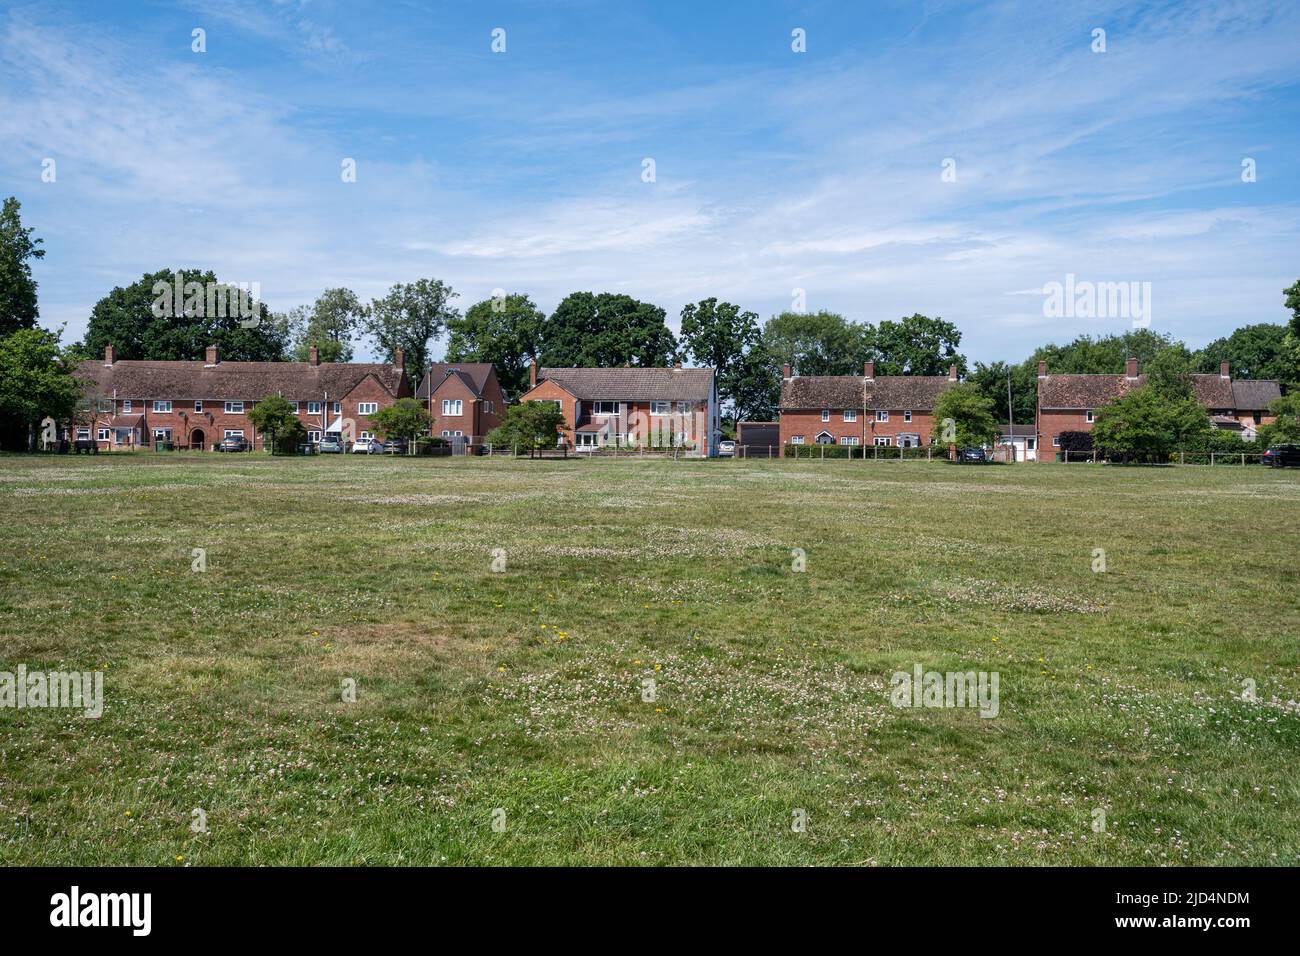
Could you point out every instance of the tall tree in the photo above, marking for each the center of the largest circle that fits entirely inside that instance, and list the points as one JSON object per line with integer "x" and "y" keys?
{"x": 410, "y": 317}
{"x": 505, "y": 331}
{"x": 148, "y": 320}
{"x": 18, "y": 309}
{"x": 719, "y": 335}
{"x": 606, "y": 330}
{"x": 329, "y": 325}
{"x": 35, "y": 380}
{"x": 818, "y": 343}
{"x": 991, "y": 380}
{"x": 964, "y": 417}
{"x": 1105, "y": 355}
{"x": 1252, "y": 351}
{"x": 1292, "y": 302}
{"x": 1147, "y": 425}
{"x": 918, "y": 345}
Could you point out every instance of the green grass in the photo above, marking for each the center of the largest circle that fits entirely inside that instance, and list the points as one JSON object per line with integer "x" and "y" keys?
{"x": 522, "y": 690}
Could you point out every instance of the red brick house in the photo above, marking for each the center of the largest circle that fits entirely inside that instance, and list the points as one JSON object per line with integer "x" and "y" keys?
{"x": 196, "y": 404}
{"x": 633, "y": 407}
{"x": 1068, "y": 403}
{"x": 870, "y": 409}
{"x": 465, "y": 399}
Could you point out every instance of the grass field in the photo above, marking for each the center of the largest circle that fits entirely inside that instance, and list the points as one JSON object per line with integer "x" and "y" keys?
{"x": 523, "y": 689}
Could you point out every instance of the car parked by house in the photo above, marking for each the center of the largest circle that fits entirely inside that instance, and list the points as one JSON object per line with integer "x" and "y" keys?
{"x": 367, "y": 446}
{"x": 332, "y": 445}
{"x": 395, "y": 446}
{"x": 972, "y": 456}
{"x": 726, "y": 449}
{"x": 233, "y": 443}
{"x": 1279, "y": 456}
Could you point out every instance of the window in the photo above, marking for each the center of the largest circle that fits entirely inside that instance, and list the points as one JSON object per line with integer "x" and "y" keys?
{"x": 85, "y": 433}
{"x": 365, "y": 408}
{"x": 1056, "y": 441}
{"x": 884, "y": 440}
{"x": 313, "y": 437}
{"x": 313, "y": 408}
{"x": 162, "y": 434}
{"x": 233, "y": 433}
{"x": 297, "y": 407}
{"x": 587, "y": 439}
{"x": 826, "y": 414}
{"x": 882, "y": 415}
{"x": 1030, "y": 444}
{"x": 162, "y": 406}
{"x": 683, "y": 408}
{"x": 446, "y": 433}
{"x": 907, "y": 416}
{"x": 1088, "y": 415}
{"x": 198, "y": 406}
{"x": 458, "y": 434}
{"x": 796, "y": 439}
{"x": 487, "y": 407}
{"x": 337, "y": 408}
{"x": 126, "y": 406}
{"x": 365, "y": 436}
{"x": 451, "y": 406}
{"x": 604, "y": 408}
{"x": 661, "y": 408}
{"x": 850, "y": 414}
{"x": 235, "y": 408}
{"x": 848, "y": 439}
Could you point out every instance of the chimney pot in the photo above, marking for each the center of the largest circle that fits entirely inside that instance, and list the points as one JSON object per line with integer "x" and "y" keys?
{"x": 952, "y": 373}
{"x": 785, "y": 371}
{"x": 108, "y": 354}
{"x": 214, "y": 356}
{"x": 869, "y": 369}
{"x": 1132, "y": 369}
{"x": 1223, "y": 370}
{"x": 313, "y": 355}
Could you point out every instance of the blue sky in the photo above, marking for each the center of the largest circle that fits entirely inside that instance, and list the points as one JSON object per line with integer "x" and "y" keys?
{"x": 775, "y": 170}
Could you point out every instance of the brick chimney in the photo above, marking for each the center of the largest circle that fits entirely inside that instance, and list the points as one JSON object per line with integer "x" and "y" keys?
{"x": 869, "y": 370}
{"x": 677, "y": 365}
{"x": 1223, "y": 370}
{"x": 532, "y": 373}
{"x": 399, "y": 359}
{"x": 1132, "y": 370}
{"x": 952, "y": 373}
{"x": 1042, "y": 370}
{"x": 108, "y": 354}
{"x": 313, "y": 356}
{"x": 214, "y": 357}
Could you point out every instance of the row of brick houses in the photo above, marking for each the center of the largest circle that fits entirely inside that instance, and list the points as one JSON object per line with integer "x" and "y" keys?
{"x": 132, "y": 404}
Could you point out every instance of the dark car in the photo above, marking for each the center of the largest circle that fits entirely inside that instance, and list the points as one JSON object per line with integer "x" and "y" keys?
{"x": 972, "y": 456}
{"x": 233, "y": 443}
{"x": 395, "y": 446}
{"x": 1279, "y": 456}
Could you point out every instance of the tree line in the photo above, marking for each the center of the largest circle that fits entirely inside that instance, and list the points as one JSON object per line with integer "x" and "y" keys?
{"x": 600, "y": 329}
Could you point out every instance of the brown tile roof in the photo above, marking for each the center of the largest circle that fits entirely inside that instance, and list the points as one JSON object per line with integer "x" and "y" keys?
{"x": 1019, "y": 431}
{"x": 126, "y": 421}
{"x": 474, "y": 374}
{"x": 889, "y": 392}
{"x": 1255, "y": 395}
{"x": 1084, "y": 391}
{"x": 633, "y": 384}
{"x": 249, "y": 381}
{"x": 1212, "y": 391}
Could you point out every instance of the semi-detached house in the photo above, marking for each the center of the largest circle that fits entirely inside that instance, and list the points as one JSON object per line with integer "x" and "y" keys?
{"x": 131, "y": 403}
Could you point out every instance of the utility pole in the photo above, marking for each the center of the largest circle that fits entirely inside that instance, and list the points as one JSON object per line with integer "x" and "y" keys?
{"x": 1011, "y": 421}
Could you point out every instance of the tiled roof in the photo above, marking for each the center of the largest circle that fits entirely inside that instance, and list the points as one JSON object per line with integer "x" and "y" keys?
{"x": 1019, "y": 431}
{"x": 633, "y": 384}
{"x": 474, "y": 374}
{"x": 249, "y": 381}
{"x": 1212, "y": 391}
{"x": 1256, "y": 395}
{"x": 1084, "y": 391}
{"x": 902, "y": 392}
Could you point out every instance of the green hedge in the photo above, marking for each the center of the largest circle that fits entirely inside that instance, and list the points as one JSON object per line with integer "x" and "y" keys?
{"x": 858, "y": 452}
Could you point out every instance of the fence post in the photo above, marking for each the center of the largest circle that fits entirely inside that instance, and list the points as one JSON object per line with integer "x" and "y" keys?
{"x": 1180, "y": 458}
{"x": 1212, "y": 459}
{"x": 1243, "y": 457}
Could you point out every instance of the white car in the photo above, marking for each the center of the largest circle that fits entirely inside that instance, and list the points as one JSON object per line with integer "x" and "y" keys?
{"x": 726, "y": 449}
{"x": 367, "y": 446}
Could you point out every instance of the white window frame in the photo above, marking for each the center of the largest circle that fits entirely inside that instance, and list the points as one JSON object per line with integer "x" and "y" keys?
{"x": 104, "y": 434}
{"x": 452, "y": 407}
{"x": 601, "y": 409}
{"x": 1087, "y": 416}
{"x": 796, "y": 439}
{"x": 848, "y": 439}
{"x": 338, "y": 409}
{"x": 882, "y": 415}
{"x": 907, "y": 416}
{"x": 313, "y": 408}
{"x": 198, "y": 406}
{"x": 161, "y": 405}
{"x": 683, "y": 408}
{"x": 367, "y": 408}
{"x": 233, "y": 433}
{"x": 126, "y": 406}
{"x": 850, "y": 414}
{"x": 661, "y": 408}
{"x": 884, "y": 441}
{"x": 826, "y": 414}
{"x": 364, "y": 436}
{"x": 1056, "y": 441}
{"x": 313, "y": 437}
{"x": 232, "y": 410}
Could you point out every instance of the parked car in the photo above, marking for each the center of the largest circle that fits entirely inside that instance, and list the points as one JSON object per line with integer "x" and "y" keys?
{"x": 395, "y": 446}
{"x": 234, "y": 443}
{"x": 367, "y": 446}
{"x": 726, "y": 449}
{"x": 1279, "y": 456}
{"x": 972, "y": 456}
{"x": 331, "y": 445}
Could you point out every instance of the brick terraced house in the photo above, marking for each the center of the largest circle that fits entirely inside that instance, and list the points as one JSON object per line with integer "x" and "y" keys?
{"x": 870, "y": 409}
{"x": 1068, "y": 403}
{"x": 633, "y": 407}
{"x": 134, "y": 404}
{"x": 465, "y": 399}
